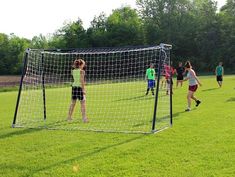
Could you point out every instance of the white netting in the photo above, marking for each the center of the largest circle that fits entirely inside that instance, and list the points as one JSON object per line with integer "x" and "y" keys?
{"x": 115, "y": 90}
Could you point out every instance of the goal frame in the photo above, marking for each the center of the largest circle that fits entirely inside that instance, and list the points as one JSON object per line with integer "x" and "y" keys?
{"x": 162, "y": 54}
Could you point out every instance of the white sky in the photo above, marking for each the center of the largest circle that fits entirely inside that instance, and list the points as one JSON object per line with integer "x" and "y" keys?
{"x": 28, "y": 18}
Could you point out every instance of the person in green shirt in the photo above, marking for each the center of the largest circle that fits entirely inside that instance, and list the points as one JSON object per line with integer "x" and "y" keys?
{"x": 219, "y": 72}
{"x": 150, "y": 77}
{"x": 78, "y": 89}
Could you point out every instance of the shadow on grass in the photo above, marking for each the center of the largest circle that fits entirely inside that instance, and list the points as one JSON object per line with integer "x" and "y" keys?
{"x": 25, "y": 130}
{"x": 231, "y": 99}
{"x": 211, "y": 89}
{"x": 19, "y": 132}
{"x": 164, "y": 118}
{"x": 182, "y": 112}
{"x": 141, "y": 97}
{"x": 86, "y": 155}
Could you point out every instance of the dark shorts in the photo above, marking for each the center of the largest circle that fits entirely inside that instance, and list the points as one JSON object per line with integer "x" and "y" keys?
{"x": 169, "y": 81}
{"x": 151, "y": 83}
{"x": 77, "y": 93}
{"x": 219, "y": 78}
{"x": 180, "y": 77}
{"x": 192, "y": 88}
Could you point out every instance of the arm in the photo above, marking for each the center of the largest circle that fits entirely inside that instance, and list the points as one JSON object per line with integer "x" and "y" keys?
{"x": 186, "y": 79}
{"x": 222, "y": 71}
{"x": 216, "y": 71}
{"x": 194, "y": 75}
{"x": 82, "y": 80}
{"x": 146, "y": 75}
{"x": 184, "y": 72}
{"x": 176, "y": 72}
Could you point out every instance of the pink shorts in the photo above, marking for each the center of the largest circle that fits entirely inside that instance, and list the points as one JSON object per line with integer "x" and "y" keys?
{"x": 192, "y": 88}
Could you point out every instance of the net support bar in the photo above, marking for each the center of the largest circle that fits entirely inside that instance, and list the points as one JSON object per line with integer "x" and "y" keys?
{"x": 43, "y": 88}
{"x": 20, "y": 88}
{"x": 157, "y": 91}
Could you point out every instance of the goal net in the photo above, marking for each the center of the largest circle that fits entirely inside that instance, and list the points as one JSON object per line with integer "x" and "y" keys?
{"x": 115, "y": 83}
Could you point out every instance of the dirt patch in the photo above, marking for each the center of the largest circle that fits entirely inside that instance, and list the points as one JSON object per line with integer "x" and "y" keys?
{"x": 6, "y": 81}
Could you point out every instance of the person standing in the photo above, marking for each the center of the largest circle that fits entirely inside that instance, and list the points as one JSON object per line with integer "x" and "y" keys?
{"x": 180, "y": 74}
{"x": 150, "y": 76}
{"x": 193, "y": 85}
{"x": 219, "y": 72}
{"x": 78, "y": 89}
{"x": 169, "y": 72}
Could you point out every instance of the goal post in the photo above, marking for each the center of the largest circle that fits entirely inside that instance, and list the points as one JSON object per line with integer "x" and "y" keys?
{"x": 115, "y": 84}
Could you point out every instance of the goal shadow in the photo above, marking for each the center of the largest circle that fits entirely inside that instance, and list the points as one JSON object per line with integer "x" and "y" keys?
{"x": 83, "y": 156}
{"x": 20, "y": 132}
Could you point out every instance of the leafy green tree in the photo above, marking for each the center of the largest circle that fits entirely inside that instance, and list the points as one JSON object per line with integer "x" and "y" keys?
{"x": 169, "y": 21}
{"x": 227, "y": 29}
{"x": 97, "y": 33}
{"x": 3, "y": 52}
{"x": 124, "y": 27}
{"x": 39, "y": 42}
{"x": 11, "y": 53}
{"x": 74, "y": 35}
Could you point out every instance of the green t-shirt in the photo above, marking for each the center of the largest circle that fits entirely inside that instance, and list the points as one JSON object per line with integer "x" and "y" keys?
{"x": 219, "y": 70}
{"x": 150, "y": 73}
{"x": 76, "y": 78}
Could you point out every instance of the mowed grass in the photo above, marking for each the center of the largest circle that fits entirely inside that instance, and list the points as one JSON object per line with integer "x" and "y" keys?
{"x": 200, "y": 143}
{"x": 111, "y": 107}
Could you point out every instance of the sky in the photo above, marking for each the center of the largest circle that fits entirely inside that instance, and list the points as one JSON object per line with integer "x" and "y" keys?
{"x": 28, "y": 18}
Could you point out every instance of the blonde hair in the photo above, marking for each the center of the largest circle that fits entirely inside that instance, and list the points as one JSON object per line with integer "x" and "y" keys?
{"x": 78, "y": 62}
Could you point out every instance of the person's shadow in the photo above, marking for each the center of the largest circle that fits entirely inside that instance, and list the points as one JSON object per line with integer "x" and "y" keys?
{"x": 231, "y": 99}
{"x": 177, "y": 114}
{"x": 211, "y": 89}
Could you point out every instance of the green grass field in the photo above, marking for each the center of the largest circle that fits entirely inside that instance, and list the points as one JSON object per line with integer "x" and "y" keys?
{"x": 200, "y": 143}
{"x": 111, "y": 107}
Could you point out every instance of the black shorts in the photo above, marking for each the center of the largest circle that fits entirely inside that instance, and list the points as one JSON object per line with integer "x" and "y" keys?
{"x": 180, "y": 77}
{"x": 169, "y": 81}
{"x": 219, "y": 78}
{"x": 77, "y": 93}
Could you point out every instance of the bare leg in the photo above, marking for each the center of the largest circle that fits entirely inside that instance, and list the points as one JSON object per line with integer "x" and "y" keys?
{"x": 164, "y": 83}
{"x": 177, "y": 83}
{"x": 83, "y": 110}
{"x": 71, "y": 109}
{"x": 193, "y": 97}
{"x": 189, "y": 96}
{"x": 181, "y": 83}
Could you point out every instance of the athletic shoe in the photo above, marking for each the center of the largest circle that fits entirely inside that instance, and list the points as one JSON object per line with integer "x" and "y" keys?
{"x": 188, "y": 109}
{"x": 197, "y": 103}
{"x": 85, "y": 120}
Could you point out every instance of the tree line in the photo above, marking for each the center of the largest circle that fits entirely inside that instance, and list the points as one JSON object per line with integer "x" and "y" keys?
{"x": 198, "y": 31}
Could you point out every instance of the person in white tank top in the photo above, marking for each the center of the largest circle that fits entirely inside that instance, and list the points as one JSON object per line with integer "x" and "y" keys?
{"x": 193, "y": 85}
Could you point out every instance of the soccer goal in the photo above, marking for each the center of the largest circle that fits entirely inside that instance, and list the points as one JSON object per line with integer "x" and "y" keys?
{"x": 115, "y": 84}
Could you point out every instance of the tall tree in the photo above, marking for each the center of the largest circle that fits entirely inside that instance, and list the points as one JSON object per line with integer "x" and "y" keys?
{"x": 227, "y": 28}
{"x": 124, "y": 27}
{"x": 74, "y": 35}
{"x": 97, "y": 33}
{"x": 39, "y": 42}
